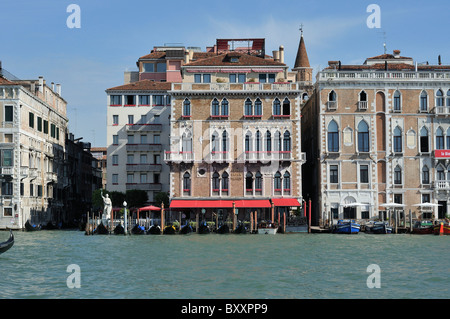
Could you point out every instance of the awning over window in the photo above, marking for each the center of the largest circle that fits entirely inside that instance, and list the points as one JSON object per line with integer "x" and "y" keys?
{"x": 290, "y": 202}
{"x": 267, "y": 70}
{"x": 257, "y": 203}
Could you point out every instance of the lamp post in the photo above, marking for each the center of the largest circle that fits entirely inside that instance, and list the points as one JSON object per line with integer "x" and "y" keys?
{"x": 125, "y": 217}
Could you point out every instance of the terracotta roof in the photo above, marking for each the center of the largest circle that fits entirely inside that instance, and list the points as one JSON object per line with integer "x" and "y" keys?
{"x": 144, "y": 85}
{"x": 301, "y": 61}
{"x": 387, "y": 57}
{"x": 4, "y": 81}
{"x": 162, "y": 55}
{"x": 243, "y": 60}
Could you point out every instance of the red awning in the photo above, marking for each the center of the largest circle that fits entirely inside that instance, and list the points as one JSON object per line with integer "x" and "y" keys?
{"x": 258, "y": 203}
{"x": 285, "y": 202}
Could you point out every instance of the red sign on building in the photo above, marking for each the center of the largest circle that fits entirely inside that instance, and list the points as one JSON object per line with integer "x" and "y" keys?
{"x": 442, "y": 153}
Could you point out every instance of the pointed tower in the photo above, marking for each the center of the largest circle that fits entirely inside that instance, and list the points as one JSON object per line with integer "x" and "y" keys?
{"x": 301, "y": 67}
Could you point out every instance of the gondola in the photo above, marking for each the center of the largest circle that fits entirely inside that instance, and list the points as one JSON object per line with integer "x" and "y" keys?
{"x": 154, "y": 230}
{"x": 240, "y": 229}
{"x": 119, "y": 230}
{"x": 7, "y": 244}
{"x": 378, "y": 228}
{"x": 186, "y": 229}
{"x": 29, "y": 227}
{"x": 203, "y": 229}
{"x": 138, "y": 230}
{"x": 169, "y": 230}
{"x": 223, "y": 229}
{"x": 101, "y": 230}
{"x": 49, "y": 226}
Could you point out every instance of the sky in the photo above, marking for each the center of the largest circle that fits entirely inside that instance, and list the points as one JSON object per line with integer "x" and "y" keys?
{"x": 36, "y": 40}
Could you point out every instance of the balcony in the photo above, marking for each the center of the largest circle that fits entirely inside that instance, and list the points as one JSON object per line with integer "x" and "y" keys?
{"x": 219, "y": 157}
{"x": 51, "y": 176}
{"x": 144, "y": 186}
{"x": 263, "y": 156}
{"x": 362, "y": 105}
{"x": 143, "y": 167}
{"x": 442, "y": 111}
{"x": 8, "y": 170}
{"x": 332, "y": 105}
{"x": 144, "y": 127}
{"x": 248, "y": 86}
{"x": 144, "y": 147}
{"x": 179, "y": 157}
{"x": 443, "y": 185}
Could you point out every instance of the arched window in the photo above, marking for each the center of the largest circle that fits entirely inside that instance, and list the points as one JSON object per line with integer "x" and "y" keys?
{"x": 363, "y": 96}
{"x": 439, "y": 139}
{"x": 258, "y": 141}
{"x": 215, "y": 142}
{"x": 258, "y": 107}
{"x": 363, "y": 137}
{"x": 398, "y": 175}
{"x": 333, "y": 137}
{"x": 268, "y": 142}
{"x": 439, "y": 98}
{"x": 277, "y": 181}
{"x": 286, "y": 107}
{"x": 424, "y": 148}
{"x": 186, "y": 146}
{"x": 258, "y": 182}
{"x": 276, "y": 107}
{"x": 397, "y": 140}
{"x": 249, "y": 182}
{"x": 448, "y": 100}
{"x": 448, "y": 173}
{"x": 224, "y": 104}
{"x": 440, "y": 173}
{"x": 287, "y": 182}
{"x": 425, "y": 175}
{"x": 225, "y": 182}
{"x": 332, "y": 96}
{"x": 287, "y": 141}
{"x": 216, "y": 182}
{"x": 277, "y": 142}
{"x": 397, "y": 103}
{"x": 186, "y": 108}
{"x": 225, "y": 145}
{"x": 215, "y": 109}
{"x": 248, "y": 142}
{"x": 448, "y": 138}
{"x": 186, "y": 182}
{"x": 423, "y": 101}
{"x": 248, "y": 107}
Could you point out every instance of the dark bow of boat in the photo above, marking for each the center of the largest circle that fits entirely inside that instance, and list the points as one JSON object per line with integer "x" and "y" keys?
{"x": 7, "y": 244}
{"x": 119, "y": 230}
{"x": 30, "y": 227}
{"x": 223, "y": 229}
{"x": 154, "y": 230}
{"x": 186, "y": 229}
{"x": 138, "y": 230}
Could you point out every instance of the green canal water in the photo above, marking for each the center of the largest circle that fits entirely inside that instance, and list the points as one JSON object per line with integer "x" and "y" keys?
{"x": 282, "y": 266}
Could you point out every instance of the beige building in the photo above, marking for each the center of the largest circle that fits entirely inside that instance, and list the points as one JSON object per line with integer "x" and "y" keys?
{"x": 235, "y": 132}
{"x": 378, "y": 134}
{"x": 32, "y": 136}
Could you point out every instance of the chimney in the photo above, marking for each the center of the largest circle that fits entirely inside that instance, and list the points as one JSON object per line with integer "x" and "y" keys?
{"x": 439, "y": 59}
{"x": 186, "y": 57}
{"x": 41, "y": 84}
{"x": 53, "y": 86}
{"x": 334, "y": 64}
{"x": 396, "y": 54}
{"x": 276, "y": 55}
{"x": 281, "y": 54}
{"x": 191, "y": 55}
{"x": 58, "y": 89}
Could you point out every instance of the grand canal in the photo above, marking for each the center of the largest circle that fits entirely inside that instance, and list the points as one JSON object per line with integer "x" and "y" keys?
{"x": 224, "y": 266}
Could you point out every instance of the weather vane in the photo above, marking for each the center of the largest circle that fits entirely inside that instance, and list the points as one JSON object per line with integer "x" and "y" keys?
{"x": 301, "y": 28}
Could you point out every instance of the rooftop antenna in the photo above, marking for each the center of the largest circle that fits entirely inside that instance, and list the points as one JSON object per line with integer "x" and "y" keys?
{"x": 301, "y": 29}
{"x": 384, "y": 42}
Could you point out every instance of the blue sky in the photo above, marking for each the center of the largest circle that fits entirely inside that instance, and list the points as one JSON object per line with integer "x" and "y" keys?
{"x": 114, "y": 34}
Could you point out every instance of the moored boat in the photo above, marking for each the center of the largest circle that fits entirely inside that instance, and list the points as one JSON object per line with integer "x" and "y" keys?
{"x": 169, "y": 230}
{"x": 154, "y": 230}
{"x": 31, "y": 227}
{"x": 101, "y": 230}
{"x": 186, "y": 229}
{"x": 240, "y": 229}
{"x": 267, "y": 228}
{"x": 223, "y": 229}
{"x": 346, "y": 227}
{"x": 203, "y": 229}
{"x": 442, "y": 229}
{"x": 378, "y": 228}
{"x": 138, "y": 230}
{"x": 7, "y": 244}
{"x": 423, "y": 227}
{"x": 119, "y": 230}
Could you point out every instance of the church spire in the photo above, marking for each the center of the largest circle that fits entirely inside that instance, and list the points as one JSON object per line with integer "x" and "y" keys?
{"x": 301, "y": 61}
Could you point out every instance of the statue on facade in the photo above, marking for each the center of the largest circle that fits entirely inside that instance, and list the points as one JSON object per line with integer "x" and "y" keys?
{"x": 107, "y": 208}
